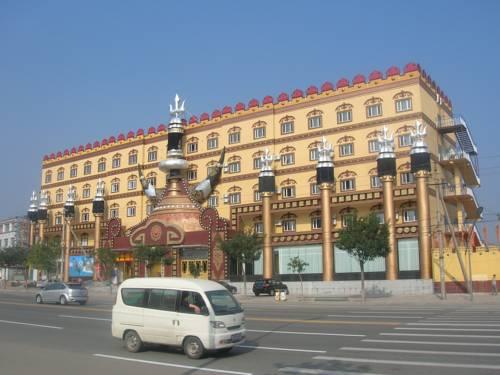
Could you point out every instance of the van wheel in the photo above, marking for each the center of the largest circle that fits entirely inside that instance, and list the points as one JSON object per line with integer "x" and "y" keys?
{"x": 39, "y": 299}
{"x": 63, "y": 300}
{"x": 133, "y": 342}
{"x": 193, "y": 347}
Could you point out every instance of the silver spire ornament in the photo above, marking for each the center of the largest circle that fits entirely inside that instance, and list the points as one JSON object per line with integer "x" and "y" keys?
{"x": 99, "y": 195}
{"x": 418, "y": 143}
{"x": 267, "y": 159}
{"x": 325, "y": 153}
{"x": 386, "y": 144}
{"x": 178, "y": 111}
{"x": 34, "y": 201}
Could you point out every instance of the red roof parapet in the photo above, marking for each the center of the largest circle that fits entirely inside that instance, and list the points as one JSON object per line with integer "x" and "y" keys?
{"x": 343, "y": 82}
{"x": 268, "y": 99}
{"x": 311, "y": 90}
{"x": 327, "y": 86}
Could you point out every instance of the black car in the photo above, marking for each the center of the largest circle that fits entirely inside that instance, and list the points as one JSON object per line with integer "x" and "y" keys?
{"x": 229, "y": 287}
{"x": 268, "y": 286}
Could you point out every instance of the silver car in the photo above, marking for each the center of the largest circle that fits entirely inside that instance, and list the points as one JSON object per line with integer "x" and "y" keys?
{"x": 63, "y": 293}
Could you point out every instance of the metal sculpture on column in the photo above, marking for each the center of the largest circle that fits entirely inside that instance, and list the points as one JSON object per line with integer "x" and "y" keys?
{"x": 421, "y": 167}
{"x": 325, "y": 181}
{"x": 69, "y": 214}
{"x": 267, "y": 187}
{"x": 42, "y": 215}
{"x": 98, "y": 211}
{"x": 386, "y": 169}
{"x": 33, "y": 217}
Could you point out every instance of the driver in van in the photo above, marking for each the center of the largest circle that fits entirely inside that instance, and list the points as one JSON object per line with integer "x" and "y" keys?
{"x": 187, "y": 306}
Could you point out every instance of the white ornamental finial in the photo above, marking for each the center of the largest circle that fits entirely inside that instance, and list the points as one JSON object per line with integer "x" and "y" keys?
{"x": 34, "y": 201}
{"x": 417, "y": 136}
{"x": 44, "y": 199}
{"x": 99, "y": 195}
{"x": 325, "y": 150}
{"x": 267, "y": 158}
{"x": 177, "y": 111}
{"x": 386, "y": 144}
{"x": 71, "y": 195}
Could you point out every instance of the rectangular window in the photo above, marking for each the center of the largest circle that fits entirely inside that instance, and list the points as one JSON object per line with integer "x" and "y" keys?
{"x": 258, "y": 228}
{"x": 374, "y": 110}
{"x": 316, "y": 222}
{"x": 373, "y": 146}
{"x": 257, "y": 163}
{"x": 192, "y": 174}
{"x": 313, "y": 154}
{"x": 375, "y": 182}
{"x": 192, "y": 147}
{"x": 162, "y": 299}
{"x": 133, "y": 296}
{"x": 259, "y": 132}
{"x": 116, "y": 163}
{"x": 59, "y": 197}
{"x": 152, "y": 155}
{"x": 234, "y": 167}
{"x": 115, "y": 187}
{"x": 60, "y": 175}
{"x": 73, "y": 172}
{"x": 85, "y": 218}
{"x": 380, "y": 217}
{"x": 234, "y": 138}
{"x": 404, "y": 140}
{"x": 101, "y": 167}
{"x": 151, "y": 180}
{"x": 131, "y": 211}
{"x": 347, "y": 219}
{"x": 346, "y": 149}
{"x": 288, "y": 191}
{"x": 403, "y": 105}
{"x": 314, "y": 122}
{"x": 234, "y": 198}
{"x": 113, "y": 213}
{"x": 287, "y": 127}
{"x": 287, "y": 159}
{"x": 212, "y": 143}
{"x": 344, "y": 116}
{"x": 48, "y": 178}
{"x": 213, "y": 201}
{"x": 347, "y": 185}
{"x": 86, "y": 193}
{"x": 132, "y": 184}
{"x": 407, "y": 178}
{"x": 132, "y": 159}
{"x": 314, "y": 189}
{"x": 87, "y": 169}
{"x": 409, "y": 215}
{"x": 288, "y": 225}
{"x": 257, "y": 196}
{"x": 58, "y": 220}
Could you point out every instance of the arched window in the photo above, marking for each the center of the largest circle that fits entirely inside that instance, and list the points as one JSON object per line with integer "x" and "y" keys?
{"x": 151, "y": 178}
{"x": 73, "y": 171}
{"x": 256, "y": 193}
{"x": 315, "y": 220}
{"x": 192, "y": 145}
{"x": 131, "y": 209}
{"x": 313, "y": 186}
{"x": 58, "y": 220}
{"x": 288, "y": 188}
{"x": 404, "y": 135}
{"x": 210, "y": 166}
{"x": 403, "y": 101}
{"x": 234, "y": 135}
{"x": 59, "y": 195}
{"x": 114, "y": 211}
{"x": 48, "y": 177}
{"x": 86, "y": 191}
{"x": 115, "y": 185}
{"x": 313, "y": 151}
{"x": 192, "y": 172}
{"x": 408, "y": 212}
{"x": 375, "y": 182}
{"x": 378, "y": 211}
{"x": 258, "y": 225}
{"x": 289, "y": 222}
{"x": 315, "y": 119}
{"x": 153, "y": 153}
{"x": 373, "y": 107}
{"x": 344, "y": 113}
{"x": 101, "y": 165}
{"x": 213, "y": 199}
{"x": 234, "y": 195}
{"x": 347, "y": 215}
{"x": 132, "y": 157}
{"x": 87, "y": 168}
{"x": 212, "y": 141}
{"x": 234, "y": 164}
{"x": 116, "y": 161}
{"x": 287, "y": 125}
{"x": 287, "y": 155}
{"x": 259, "y": 130}
{"x": 347, "y": 181}
{"x": 346, "y": 146}
{"x": 257, "y": 162}
{"x": 60, "y": 174}
{"x": 132, "y": 182}
{"x": 84, "y": 240}
{"x": 85, "y": 215}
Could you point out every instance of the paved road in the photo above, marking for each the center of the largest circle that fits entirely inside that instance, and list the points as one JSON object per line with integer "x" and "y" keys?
{"x": 385, "y": 336}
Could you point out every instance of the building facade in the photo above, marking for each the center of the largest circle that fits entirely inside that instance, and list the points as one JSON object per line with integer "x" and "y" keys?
{"x": 349, "y": 114}
{"x": 14, "y": 231}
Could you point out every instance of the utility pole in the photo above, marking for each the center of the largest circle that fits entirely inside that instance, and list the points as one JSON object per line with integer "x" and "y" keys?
{"x": 441, "y": 249}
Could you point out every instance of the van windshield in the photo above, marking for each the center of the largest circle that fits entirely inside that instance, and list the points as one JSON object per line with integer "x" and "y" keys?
{"x": 223, "y": 302}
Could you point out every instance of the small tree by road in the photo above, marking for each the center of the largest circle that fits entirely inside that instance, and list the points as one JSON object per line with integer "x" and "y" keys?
{"x": 14, "y": 257}
{"x": 149, "y": 255}
{"x": 244, "y": 247}
{"x": 107, "y": 259}
{"x": 194, "y": 269}
{"x": 365, "y": 239}
{"x": 44, "y": 257}
{"x": 298, "y": 265}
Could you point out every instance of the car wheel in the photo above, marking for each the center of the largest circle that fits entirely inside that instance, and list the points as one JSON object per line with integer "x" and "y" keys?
{"x": 257, "y": 294}
{"x": 193, "y": 347}
{"x": 133, "y": 342}
{"x": 39, "y": 299}
{"x": 63, "y": 300}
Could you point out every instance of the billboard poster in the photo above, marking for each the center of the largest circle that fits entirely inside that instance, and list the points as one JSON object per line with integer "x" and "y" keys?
{"x": 81, "y": 266}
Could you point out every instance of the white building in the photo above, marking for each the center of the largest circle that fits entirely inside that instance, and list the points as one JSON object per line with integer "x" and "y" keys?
{"x": 14, "y": 231}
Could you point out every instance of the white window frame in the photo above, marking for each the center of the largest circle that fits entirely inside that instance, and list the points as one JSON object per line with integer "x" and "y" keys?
{"x": 288, "y": 158}
{"x": 86, "y": 192}
{"x": 380, "y": 217}
{"x": 73, "y": 171}
{"x": 192, "y": 174}
{"x": 132, "y": 184}
{"x": 87, "y": 169}
{"x": 375, "y": 182}
{"x": 234, "y": 167}
{"x": 85, "y": 217}
{"x": 58, "y": 220}
{"x": 315, "y": 189}
{"x": 288, "y": 225}
{"x": 114, "y": 212}
{"x": 152, "y": 155}
{"x": 132, "y": 158}
{"x": 373, "y": 146}
{"x": 346, "y": 149}
{"x": 59, "y": 197}
{"x": 287, "y": 127}
{"x": 313, "y": 154}
{"x": 257, "y": 163}
{"x": 374, "y": 110}
{"x": 234, "y": 138}
{"x": 288, "y": 191}
{"x": 213, "y": 201}
{"x": 404, "y": 105}
{"x": 257, "y": 196}
{"x": 115, "y": 186}
{"x": 348, "y": 184}
{"x": 406, "y": 178}
{"x": 235, "y": 198}
{"x": 48, "y": 178}
{"x": 344, "y": 116}
{"x": 259, "y": 132}
{"x": 116, "y": 162}
{"x": 315, "y": 122}
{"x": 409, "y": 215}
{"x": 405, "y": 140}
{"x": 316, "y": 222}
{"x": 60, "y": 175}
{"x": 258, "y": 228}
{"x": 101, "y": 166}
{"x": 131, "y": 211}
{"x": 212, "y": 142}
{"x": 192, "y": 147}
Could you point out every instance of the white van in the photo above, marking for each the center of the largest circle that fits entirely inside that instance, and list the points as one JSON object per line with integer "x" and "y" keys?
{"x": 197, "y": 315}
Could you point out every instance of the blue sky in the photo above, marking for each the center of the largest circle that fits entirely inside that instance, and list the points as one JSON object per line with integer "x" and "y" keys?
{"x": 75, "y": 72}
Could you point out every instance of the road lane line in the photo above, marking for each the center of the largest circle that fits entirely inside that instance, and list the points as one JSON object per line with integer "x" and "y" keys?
{"x": 434, "y": 335}
{"x": 447, "y": 329}
{"x": 281, "y": 349}
{"x": 433, "y": 352}
{"x": 430, "y": 342}
{"x": 29, "y": 324}
{"x": 313, "y": 371}
{"x": 53, "y": 306}
{"x": 454, "y": 324}
{"x": 376, "y": 316}
{"x": 357, "y": 322}
{"x": 409, "y": 363}
{"x": 166, "y": 364}
{"x": 306, "y": 333}
{"x": 388, "y": 312}
{"x": 83, "y": 317}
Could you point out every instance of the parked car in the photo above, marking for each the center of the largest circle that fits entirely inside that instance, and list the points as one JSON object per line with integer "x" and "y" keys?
{"x": 62, "y": 293}
{"x": 228, "y": 286}
{"x": 268, "y": 286}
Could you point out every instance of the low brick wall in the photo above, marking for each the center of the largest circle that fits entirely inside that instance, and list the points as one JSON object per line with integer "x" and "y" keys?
{"x": 460, "y": 287}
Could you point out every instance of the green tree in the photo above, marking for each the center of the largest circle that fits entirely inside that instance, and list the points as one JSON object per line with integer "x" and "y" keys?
{"x": 149, "y": 255}
{"x": 44, "y": 256}
{"x": 244, "y": 247}
{"x": 14, "y": 257}
{"x": 194, "y": 269}
{"x": 365, "y": 239}
{"x": 107, "y": 259}
{"x": 298, "y": 265}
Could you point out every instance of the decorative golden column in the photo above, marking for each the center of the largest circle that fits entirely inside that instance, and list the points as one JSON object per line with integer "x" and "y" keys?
{"x": 69, "y": 214}
{"x": 421, "y": 167}
{"x": 325, "y": 180}
{"x": 98, "y": 211}
{"x": 386, "y": 169}
{"x": 267, "y": 187}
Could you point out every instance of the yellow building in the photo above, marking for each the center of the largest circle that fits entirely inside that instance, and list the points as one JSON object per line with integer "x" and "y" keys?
{"x": 350, "y": 115}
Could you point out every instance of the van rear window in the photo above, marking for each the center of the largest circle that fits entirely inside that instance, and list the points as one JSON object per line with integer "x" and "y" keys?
{"x": 133, "y": 296}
